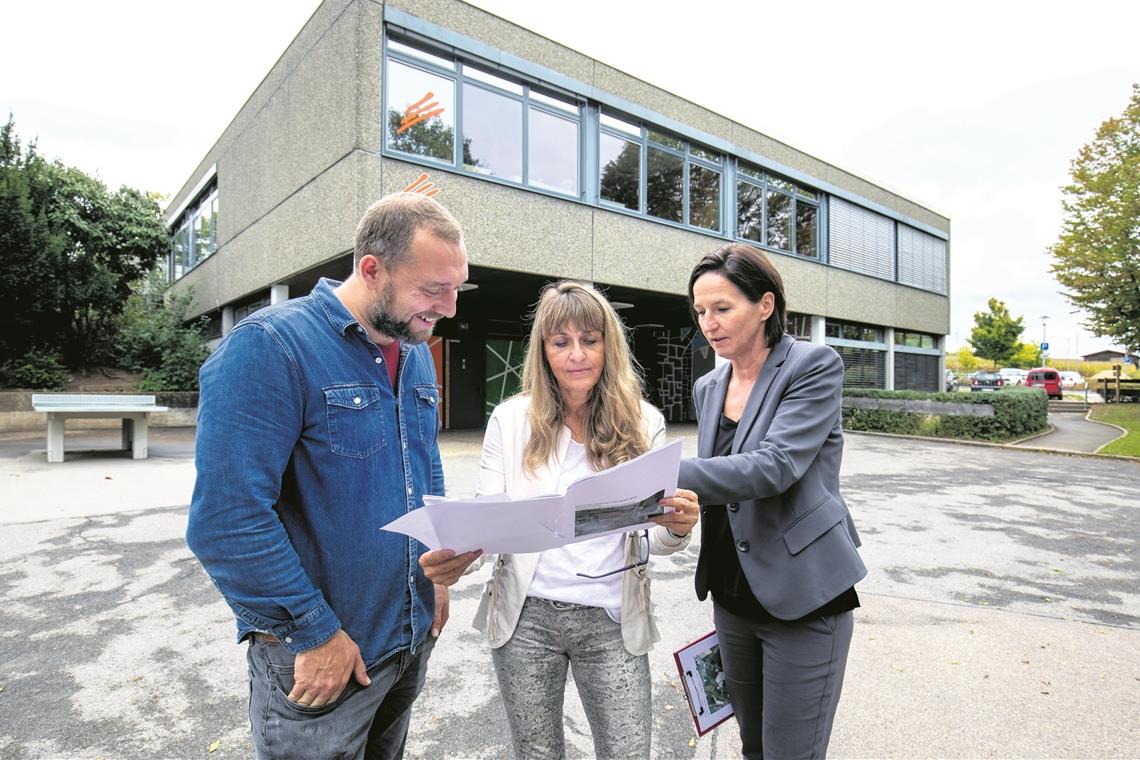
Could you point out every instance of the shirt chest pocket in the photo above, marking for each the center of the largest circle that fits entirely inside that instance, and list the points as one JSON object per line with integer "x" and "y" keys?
{"x": 427, "y": 410}
{"x": 356, "y": 420}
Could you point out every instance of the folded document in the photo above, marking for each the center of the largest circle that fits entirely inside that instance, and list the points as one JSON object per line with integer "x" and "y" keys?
{"x": 616, "y": 500}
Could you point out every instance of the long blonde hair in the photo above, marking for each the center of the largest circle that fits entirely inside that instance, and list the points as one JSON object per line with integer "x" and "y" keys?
{"x": 614, "y": 429}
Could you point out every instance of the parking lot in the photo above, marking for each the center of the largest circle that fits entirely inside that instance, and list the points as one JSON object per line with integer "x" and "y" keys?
{"x": 1001, "y": 616}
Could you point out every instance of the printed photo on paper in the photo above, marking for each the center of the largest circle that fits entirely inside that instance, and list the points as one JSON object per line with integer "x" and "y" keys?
{"x": 594, "y": 518}
{"x": 702, "y": 673}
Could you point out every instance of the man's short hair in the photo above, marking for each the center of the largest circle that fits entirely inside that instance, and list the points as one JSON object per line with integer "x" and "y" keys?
{"x": 390, "y": 224}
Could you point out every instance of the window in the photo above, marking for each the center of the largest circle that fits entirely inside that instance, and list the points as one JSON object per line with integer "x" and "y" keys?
{"x": 464, "y": 110}
{"x": 421, "y": 112}
{"x": 799, "y": 326}
{"x": 195, "y": 234}
{"x": 481, "y": 122}
{"x": 553, "y": 165}
{"x": 620, "y": 169}
{"x": 205, "y": 219}
{"x": 915, "y": 340}
{"x": 776, "y": 213}
{"x": 863, "y": 367}
{"x": 180, "y": 255}
{"x": 492, "y": 133}
{"x": 704, "y": 197}
{"x": 916, "y": 372}
{"x": 922, "y": 260}
{"x": 861, "y": 240}
{"x": 665, "y": 185}
{"x": 863, "y": 352}
{"x": 681, "y": 182}
{"x": 853, "y": 331}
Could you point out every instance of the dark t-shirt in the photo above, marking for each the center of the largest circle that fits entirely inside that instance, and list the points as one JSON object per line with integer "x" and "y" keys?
{"x": 727, "y": 582}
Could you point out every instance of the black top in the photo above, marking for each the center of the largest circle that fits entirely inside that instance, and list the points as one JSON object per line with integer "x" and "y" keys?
{"x": 727, "y": 582}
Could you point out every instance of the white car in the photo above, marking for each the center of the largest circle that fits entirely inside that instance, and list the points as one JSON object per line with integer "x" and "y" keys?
{"x": 1013, "y": 376}
{"x": 1072, "y": 380}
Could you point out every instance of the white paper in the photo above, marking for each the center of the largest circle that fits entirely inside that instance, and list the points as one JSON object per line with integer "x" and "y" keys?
{"x": 614, "y": 501}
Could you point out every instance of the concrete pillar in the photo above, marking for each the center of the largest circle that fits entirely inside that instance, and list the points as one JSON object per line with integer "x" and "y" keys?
{"x": 278, "y": 293}
{"x": 227, "y": 320}
{"x": 55, "y": 437}
{"x": 942, "y": 366}
{"x": 817, "y": 330}
{"x": 889, "y": 337}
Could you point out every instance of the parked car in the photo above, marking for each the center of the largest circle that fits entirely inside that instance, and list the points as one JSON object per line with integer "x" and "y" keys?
{"x": 951, "y": 381}
{"x": 1046, "y": 378}
{"x": 987, "y": 381}
{"x": 1013, "y": 375}
{"x": 1072, "y": 380}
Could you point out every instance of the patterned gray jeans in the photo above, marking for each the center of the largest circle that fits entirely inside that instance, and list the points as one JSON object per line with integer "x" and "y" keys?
{"x": 614, "y": 685}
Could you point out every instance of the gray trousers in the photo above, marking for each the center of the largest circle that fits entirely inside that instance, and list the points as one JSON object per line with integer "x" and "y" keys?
{"x": 364, "y": 722}
{"x": 614, "y": 685}
{"x": 784, "y": 681}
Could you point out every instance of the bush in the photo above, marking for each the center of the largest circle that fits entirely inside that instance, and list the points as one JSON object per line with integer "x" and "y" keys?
{"x": 1017, "y": 413}
{"x": 156, "y": 340}
{"x": 39, "y": 369}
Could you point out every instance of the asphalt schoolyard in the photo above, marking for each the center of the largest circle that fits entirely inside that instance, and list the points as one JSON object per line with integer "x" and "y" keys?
{"x": 1000, "y": 618}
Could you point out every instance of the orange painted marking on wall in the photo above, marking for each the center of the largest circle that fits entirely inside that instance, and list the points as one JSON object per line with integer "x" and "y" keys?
{"x": 423, "y": 185}
{"x": 419, "y": 111}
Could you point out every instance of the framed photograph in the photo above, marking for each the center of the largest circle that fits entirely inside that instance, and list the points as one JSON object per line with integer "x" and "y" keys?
{"x": 700, "y": 669}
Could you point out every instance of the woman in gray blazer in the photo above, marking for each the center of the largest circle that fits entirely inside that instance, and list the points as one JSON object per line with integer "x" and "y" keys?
{"x": 778, "y": 548}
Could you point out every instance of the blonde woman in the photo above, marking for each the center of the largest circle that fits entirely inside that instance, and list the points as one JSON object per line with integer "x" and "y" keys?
{"x": 587, "y": 604}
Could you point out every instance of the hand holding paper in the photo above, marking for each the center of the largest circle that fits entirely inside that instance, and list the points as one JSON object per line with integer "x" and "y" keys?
{"x": 686, "y": 510}
{"x": 444, "y": 567}
{"x": 618, "y": 500}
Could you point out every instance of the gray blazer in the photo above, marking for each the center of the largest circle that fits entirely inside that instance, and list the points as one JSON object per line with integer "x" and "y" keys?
{"x": 780, "y": 483}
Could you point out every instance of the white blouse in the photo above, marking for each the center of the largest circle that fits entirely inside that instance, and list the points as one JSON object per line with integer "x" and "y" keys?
{"x": 556, "y": 577}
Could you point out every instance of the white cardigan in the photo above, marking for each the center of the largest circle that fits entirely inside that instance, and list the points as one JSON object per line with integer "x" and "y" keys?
{"x": 501, "y": 470}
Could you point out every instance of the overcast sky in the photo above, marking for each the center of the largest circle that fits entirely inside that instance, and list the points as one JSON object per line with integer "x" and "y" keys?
{"x": 974, "y": 109}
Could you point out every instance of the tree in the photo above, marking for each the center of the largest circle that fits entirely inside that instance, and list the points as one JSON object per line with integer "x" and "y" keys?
{"x": 967, "y": 362}
{"x": 157, "y": 340}
{"x": 995, "y": 333}
{"x": 1027, "y": 356}
{"x": 1097, "y": 257}
{"x": 29, "y": 253}
{"x": 70, "y": 251}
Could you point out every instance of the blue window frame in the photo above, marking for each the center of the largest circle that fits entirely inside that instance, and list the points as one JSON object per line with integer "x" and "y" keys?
{"x": 479, "y": 120}
{"x": 776, "y": 213}
{"x": 195, "y": 236}
{"x": 657, "y": 174}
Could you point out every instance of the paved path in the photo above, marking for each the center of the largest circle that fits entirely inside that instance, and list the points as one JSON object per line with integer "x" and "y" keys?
{"x": 1001, "y": 617}
{"x": 1073, "y": 433}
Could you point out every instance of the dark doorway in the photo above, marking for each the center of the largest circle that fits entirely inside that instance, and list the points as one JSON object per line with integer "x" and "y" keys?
{"x": 463, "y": 363}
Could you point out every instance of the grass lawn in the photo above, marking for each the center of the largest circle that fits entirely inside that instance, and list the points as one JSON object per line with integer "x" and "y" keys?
{"x": 1126, "y": 416}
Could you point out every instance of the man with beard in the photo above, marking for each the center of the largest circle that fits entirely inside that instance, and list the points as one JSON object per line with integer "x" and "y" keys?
{"x": 317, "y": 424}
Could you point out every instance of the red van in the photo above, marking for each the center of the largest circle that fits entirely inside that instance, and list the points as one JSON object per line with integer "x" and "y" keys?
{"x": 1045, "y": 378}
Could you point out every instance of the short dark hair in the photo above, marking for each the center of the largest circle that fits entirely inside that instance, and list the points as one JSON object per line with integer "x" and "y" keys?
{"x": 390, "y": 224}
{"x": 749, "y": 270}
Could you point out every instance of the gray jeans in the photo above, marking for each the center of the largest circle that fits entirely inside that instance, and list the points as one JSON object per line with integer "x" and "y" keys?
{"x": 614, "y": 685}
{"x": 364, "y": 722}
{"x": 784, "y": 681}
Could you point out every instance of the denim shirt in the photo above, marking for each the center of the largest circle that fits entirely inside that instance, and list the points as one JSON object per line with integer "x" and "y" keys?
{"x": 303, "y": 453}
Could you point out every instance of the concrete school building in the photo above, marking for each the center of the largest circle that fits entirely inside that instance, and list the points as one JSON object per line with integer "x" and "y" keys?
{"x": 557, "y": 166}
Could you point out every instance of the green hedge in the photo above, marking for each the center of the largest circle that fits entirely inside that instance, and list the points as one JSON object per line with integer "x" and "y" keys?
{"x": 39, "y": 369}
{"x": 1017, "y": 413}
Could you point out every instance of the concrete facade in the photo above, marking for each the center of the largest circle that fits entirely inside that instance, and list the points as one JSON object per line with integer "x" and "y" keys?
{"x": 304, "y": 158}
